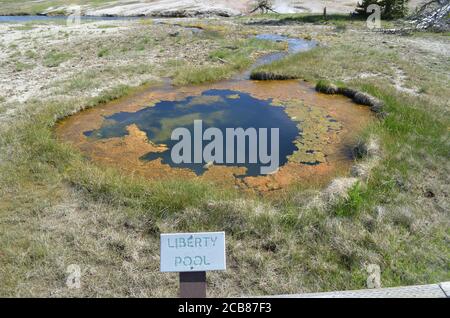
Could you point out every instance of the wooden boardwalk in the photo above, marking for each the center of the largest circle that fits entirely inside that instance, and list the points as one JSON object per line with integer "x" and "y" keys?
{"x": 440, "y": 290}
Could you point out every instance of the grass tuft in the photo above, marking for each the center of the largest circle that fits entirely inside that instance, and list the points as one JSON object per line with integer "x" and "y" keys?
{"x": 55, "y": 58}
{"x": 352, "y": 204}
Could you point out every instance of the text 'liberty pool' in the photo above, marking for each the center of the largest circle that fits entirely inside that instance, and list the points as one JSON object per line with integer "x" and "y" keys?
{"x": 193, "y": 252}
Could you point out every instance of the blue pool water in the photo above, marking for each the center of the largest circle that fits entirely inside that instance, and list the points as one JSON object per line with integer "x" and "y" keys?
{"x": 216, "y": 108}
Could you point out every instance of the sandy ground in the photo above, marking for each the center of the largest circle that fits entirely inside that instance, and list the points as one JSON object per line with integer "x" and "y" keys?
{"x": 20, "y": 86}
{"x": 25, "y": 77}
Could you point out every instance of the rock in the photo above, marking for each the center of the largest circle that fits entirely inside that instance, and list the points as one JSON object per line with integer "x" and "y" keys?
{"x": 433, "y": 15}
{"x": 374, "y": 278}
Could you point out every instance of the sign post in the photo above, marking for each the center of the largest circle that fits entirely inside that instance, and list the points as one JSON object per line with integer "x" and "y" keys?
{"x": 192, "y": 254}
{"x": 193, "y": 284}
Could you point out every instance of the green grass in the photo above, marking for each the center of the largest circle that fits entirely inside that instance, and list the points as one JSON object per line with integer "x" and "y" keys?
{"x": 202, "y": 74}
{"x": 93, "y": 79}
{"x": 323, "y": 85}
{"x": 54, "y": 58}
{"x": 107, "y": 26}
{"x": 19, "y": 66}
{"x": 146, "y": 21}
{"x": 80, "y": 82}
{"x": 234, "y": 57}
{"x": 24, "y": 27}
{"x": 352, "y": 204}
{"x": 103, "y": 52}
{"x": 309, "y": 66}
{"x": 31, "y": 54}
{"x": 114, "y": 93}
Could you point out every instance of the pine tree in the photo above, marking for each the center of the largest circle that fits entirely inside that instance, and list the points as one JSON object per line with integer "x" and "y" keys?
{"x": 390, "y": 9}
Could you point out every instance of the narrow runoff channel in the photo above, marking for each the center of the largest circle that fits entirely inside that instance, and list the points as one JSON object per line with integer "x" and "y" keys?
{"x": 316, "y": 132}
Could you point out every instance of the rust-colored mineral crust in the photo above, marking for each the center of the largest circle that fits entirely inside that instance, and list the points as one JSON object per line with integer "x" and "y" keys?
{"x": 324, "y": 146}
